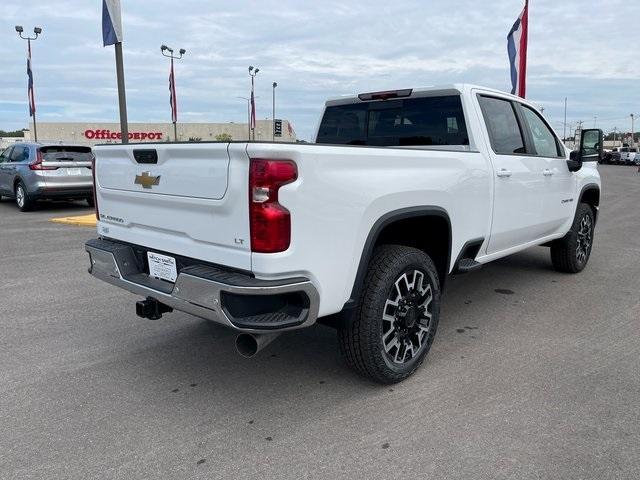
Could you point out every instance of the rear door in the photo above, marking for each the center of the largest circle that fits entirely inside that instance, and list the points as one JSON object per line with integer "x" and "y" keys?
{"x": 19, "y": 156}
{"x": 67, "y": 167}
{"x": 4, "y": 170}
{"x": 519, "y": 186}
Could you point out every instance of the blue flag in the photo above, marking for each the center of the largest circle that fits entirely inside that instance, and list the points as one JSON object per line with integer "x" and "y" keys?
{"x": 111, "y": 22}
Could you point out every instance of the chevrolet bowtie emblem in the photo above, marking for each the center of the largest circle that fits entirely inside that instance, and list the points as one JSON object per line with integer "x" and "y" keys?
{"x": 147, "y": 180}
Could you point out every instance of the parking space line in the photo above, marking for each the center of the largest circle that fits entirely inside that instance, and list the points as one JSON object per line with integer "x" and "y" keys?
{"x": 80, "y": 220}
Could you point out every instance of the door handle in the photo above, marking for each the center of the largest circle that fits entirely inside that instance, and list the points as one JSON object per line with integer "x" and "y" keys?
{"x": 547, "y": 173}
{"x": 503, "y": 173}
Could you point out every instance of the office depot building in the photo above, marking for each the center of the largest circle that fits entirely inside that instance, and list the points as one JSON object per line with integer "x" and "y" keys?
{"x": 92, "y": 133}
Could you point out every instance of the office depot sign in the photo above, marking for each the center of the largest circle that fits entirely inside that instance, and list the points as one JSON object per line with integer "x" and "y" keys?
{"x": 109, "y": 135}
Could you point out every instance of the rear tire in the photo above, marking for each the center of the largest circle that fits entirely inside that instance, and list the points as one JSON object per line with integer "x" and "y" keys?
{"x": 395, "y": 322}
{"x": 23, "y": 201}
{"x": 570, "y": 254}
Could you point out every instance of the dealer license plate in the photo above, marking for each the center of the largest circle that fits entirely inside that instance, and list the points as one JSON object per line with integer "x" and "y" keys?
{"x": 162, "y": 266}
{"x": 74, "y": 172}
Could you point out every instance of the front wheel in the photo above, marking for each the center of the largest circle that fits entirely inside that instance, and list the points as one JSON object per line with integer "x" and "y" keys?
{"x": 395, "y": 323}
{"x": 570, "y": 254}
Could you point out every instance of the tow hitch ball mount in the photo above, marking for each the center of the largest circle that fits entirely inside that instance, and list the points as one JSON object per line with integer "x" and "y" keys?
{"x": 151, "y": 308}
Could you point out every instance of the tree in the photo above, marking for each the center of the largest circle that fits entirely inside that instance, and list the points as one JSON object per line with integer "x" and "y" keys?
{"x": 13, "y": 133}
{"x": 224, "y": 137}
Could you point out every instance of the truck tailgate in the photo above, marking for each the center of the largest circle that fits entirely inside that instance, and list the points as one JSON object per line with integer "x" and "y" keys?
{"x": 188, "y": 199}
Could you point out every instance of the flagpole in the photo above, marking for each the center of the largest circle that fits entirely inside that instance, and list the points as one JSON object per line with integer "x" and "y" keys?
{"x": 175, "y": 119}
{"x": 35, "y": 128}
{"x": 122, "y": 98}
{"x": 252, "y": 119}
{"x": 30, "y": 94}
{"x": 173, "y": 101}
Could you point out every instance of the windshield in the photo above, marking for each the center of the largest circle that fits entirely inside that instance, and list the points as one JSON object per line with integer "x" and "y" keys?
{"x": 406, "y": 122}
{"x": 66, "y": 154}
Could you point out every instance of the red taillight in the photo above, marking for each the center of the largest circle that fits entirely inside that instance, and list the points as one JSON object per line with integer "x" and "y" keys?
{"x": 269, "y": 221}
{"x": 37, "y": 165}
{"x": 95, "y": 191}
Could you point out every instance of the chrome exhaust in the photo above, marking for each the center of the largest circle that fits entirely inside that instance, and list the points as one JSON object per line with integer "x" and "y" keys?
{"x": 249, "y": 344}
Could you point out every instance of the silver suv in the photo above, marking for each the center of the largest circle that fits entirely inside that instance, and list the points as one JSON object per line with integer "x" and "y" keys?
{"x": 33, "y": 171}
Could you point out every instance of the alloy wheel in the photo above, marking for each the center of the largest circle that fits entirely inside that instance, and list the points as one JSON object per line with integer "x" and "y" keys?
{"x": 20, "y": 196}
{"x": 406, "y": 318}
{"x": 585, "y": 235}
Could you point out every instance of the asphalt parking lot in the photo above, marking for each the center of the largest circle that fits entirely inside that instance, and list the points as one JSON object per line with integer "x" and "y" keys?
{"x": 533, "y": 374}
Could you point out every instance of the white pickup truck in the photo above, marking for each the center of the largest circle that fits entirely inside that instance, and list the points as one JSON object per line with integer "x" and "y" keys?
{"x": 359, "y": 230}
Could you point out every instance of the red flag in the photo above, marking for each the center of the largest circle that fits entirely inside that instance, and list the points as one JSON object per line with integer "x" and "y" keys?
{"x": 172, "y": 95}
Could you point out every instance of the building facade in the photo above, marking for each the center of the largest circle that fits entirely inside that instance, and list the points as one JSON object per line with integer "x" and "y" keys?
{"x": 8, "y": 141}
{"x": 92, "y": 133}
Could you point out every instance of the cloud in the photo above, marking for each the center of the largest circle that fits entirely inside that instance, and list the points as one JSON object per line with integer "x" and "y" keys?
{"x": 314, "y": 50}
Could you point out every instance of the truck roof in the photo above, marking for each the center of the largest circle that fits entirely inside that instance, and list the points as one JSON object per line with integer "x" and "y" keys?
{"x": 452, "y": 88}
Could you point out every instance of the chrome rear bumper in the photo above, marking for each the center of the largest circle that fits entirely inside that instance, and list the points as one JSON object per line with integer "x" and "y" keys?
{"x": 208, "y": 292}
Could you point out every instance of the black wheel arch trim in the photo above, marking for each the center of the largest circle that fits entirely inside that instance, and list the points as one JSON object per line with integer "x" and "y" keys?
{"x": 374, "y": 233}
{"x": 585, "y": 188}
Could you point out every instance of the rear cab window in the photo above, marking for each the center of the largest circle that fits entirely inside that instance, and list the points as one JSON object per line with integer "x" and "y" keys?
{"x": 420, "y": 121}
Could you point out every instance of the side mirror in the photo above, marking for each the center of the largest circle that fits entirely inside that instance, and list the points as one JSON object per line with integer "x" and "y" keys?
{"x": 591, "y": 149}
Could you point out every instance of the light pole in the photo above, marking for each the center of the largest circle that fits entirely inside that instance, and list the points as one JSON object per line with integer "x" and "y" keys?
{"x": 32, "y": 99}
{"x": 252, "y": 116}
{"x": 273, "y": 111}
{"x": 172, "y": 86}
{"x": 633, "y": 135}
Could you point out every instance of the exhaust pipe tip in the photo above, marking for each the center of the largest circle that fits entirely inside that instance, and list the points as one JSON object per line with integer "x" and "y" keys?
{"x": 248, "y": 344}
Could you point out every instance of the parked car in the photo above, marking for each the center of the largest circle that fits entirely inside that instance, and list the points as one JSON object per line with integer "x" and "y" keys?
{"x": 30, "y": 172}
{"x": 615, "y": 157}
{"x": 627, "y": 155}
{"x": 359, "y": 231}
{"x": 630, "y": 158}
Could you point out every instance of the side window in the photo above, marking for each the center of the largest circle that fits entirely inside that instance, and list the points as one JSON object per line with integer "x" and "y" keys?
{"x": 19, "y": 154}
{"x": 4, "y": 156}
{"x": 502, "y": 124}
{"x": 543, "y": 138}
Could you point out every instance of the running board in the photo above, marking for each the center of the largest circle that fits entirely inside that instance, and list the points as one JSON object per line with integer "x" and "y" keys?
{"x": 466, "y": 265}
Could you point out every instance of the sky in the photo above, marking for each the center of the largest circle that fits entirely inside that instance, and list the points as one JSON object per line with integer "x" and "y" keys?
{"x": 585, "y": 51}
